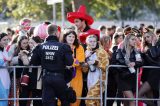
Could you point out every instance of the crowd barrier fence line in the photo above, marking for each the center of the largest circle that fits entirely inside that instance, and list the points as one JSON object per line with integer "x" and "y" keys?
{"x": 136, "y": 98}
{"x": 81, "y": 98}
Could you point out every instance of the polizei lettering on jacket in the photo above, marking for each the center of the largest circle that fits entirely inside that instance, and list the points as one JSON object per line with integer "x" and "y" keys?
{"x": 50, "y": 47}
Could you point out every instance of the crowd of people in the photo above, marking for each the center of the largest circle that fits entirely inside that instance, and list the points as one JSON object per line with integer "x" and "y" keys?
{"x": 92, "y": 50}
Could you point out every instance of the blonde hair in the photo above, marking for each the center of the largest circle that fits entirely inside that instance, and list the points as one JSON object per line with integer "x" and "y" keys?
{"x": 89, "y": 37}
{"x": 126, "y": 46}
{"x": 144, "y": 43}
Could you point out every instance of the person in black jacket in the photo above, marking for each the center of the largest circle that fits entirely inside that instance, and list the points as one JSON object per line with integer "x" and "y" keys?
{"x": 113, "y": 91}
{"x": 150, "y": 77}
{"x": 129, "y": 56}
{"x": 53, "y": 56}
{"x": 35, "y": 81}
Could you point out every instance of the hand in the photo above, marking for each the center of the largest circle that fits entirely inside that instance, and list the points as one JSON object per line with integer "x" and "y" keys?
{"x": 83, "y": 64}
{"x": 138, "y": 57}
{"x": 76, "y": 61}
{"x": 69, "y": 67}
{"x": 25, "y": 52}
{"x": 19, "y": 55}
{"x": 25, "y": 60}
{"x": 131, "y": 64}
{"x": 91, "y": 62}
{"x": 145, "y": 49}
{"x": 154, "y": 39}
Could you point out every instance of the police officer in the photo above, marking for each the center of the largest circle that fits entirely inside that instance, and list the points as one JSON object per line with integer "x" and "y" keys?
{"x": 53, "y": 56}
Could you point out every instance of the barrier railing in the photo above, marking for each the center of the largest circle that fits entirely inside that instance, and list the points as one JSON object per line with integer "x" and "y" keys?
{"x": 14, "y": 83}
{"x": 30, "y": 67}
{"x": 81, "y": 98}
{"x": 136, "y": 98}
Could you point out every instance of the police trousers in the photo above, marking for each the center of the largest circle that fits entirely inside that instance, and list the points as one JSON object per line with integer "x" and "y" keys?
{"x": 54, "y": 86}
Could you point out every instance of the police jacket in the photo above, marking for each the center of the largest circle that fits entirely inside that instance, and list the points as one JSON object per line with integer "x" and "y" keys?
{"x": 52, "y": 55}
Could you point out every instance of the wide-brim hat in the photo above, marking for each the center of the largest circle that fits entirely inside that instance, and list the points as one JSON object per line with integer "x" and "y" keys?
{"x": 82, "y": 14}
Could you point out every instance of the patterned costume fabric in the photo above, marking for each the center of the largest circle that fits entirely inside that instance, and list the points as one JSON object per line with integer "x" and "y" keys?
{"x": 103, "y": 61}
{"x": 77, "y": 82}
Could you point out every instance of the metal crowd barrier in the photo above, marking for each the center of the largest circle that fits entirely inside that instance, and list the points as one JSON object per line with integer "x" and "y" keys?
{"x": 136, "y": 98}
{"x": 81, "y": 98}
{"x": 96, "y": 98}
{"x": 14, "y": 84}
{"x": 30, "y": 67}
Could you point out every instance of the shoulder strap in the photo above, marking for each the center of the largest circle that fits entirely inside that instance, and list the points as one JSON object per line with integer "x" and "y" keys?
{"x": 8, "y": 47}
{"x": 90, "y": 55}
{"x": 74, "y": 52}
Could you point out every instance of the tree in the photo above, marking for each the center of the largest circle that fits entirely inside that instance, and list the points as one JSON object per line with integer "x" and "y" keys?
{"x": 99, "y": 9}
{"x": 3, "y": 9}
{"x": 154, "y": 6}
{"x": 36, "y": 9}
{"x": 120, "y": 9}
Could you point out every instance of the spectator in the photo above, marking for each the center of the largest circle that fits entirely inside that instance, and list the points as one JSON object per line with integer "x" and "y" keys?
{"x": 35, "y": 83}
{"x": 22, "y": 44}
{"x": 158, "y": 32}
{"x": 79, "y": 57}
{"x": 4, "y": 75}
{"x": 24, "y": 26}
{"x": 30, "y": 32}
{"x": 10, "y": 33}
{"x": 150, "y": 77}
{"x": 97, "y": 59}
{"x": 127, "y": 76}
{"x": 106, "y": 44}
{"x": 113, "y": 90}
{"x": 41, "y": 31}
{"x": 102, "y": 30}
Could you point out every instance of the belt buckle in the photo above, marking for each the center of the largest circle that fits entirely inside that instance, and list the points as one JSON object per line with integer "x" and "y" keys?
{"x": 48, "y": 73}
{"x": 55, "y": 74}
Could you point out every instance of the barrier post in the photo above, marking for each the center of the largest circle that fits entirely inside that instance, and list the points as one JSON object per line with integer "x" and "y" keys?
{"x": 106, "y": 82}
{"x": 137, "y": 86}
{"x": 101, "y": 90}
{"x": 14, "y": 85}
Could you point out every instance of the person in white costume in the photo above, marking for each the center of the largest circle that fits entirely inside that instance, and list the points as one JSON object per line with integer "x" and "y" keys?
{"x": 4, "y": 75}
{"x": 97, "y": 60}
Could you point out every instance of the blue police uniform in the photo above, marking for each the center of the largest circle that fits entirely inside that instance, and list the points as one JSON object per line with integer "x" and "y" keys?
{"x": 53, "y": 56}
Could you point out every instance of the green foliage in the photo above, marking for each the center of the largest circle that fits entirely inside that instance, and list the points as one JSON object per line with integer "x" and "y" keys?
{"x": 99, "y": 9}
{"x": 3, "y": 8}
{"x": 36, "y": 9}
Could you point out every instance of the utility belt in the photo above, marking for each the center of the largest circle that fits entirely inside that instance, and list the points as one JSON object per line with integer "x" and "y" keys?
{"x": 52, "y": 72}
{"x": 46, "y": 72}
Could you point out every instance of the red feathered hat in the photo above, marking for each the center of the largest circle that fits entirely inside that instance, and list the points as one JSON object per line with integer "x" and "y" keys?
{"x": 81, "y": 13}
